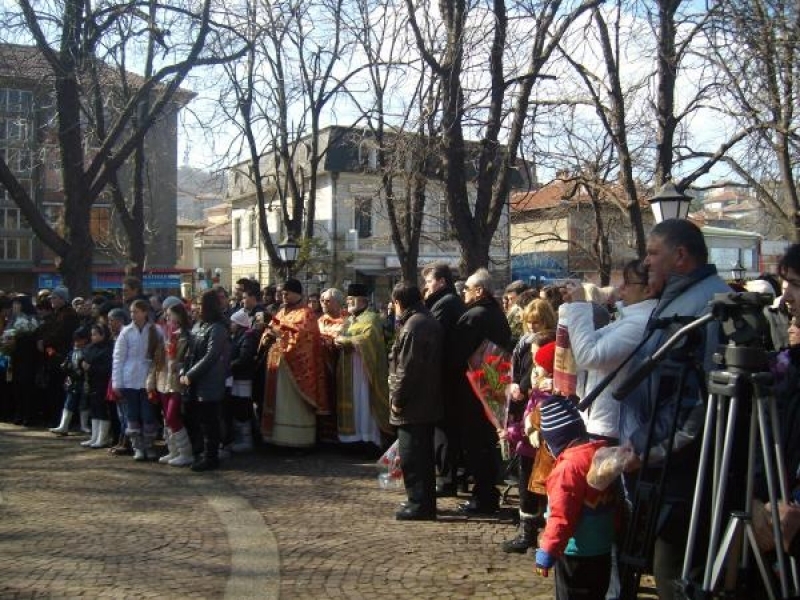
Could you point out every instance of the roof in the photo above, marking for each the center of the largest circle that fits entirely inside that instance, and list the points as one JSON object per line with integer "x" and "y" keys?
{"x": 562, "y": 191}
{"x": 28, "y": 64}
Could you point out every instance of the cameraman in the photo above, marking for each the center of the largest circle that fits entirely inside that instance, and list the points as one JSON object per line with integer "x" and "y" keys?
{"x": 680, "y": 276}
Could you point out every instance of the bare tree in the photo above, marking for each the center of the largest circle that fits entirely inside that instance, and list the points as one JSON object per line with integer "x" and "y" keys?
{"x": 402, "y": 132}
{"x": 72, "y": 39}
{"x": 278, "y": 97}
{"x": 756, "y": 45}
{"x": 498, "y": 122}
{"x": 610, "y": 99}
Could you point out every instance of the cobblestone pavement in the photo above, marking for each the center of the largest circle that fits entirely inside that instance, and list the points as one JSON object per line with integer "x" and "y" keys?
{"x": 81, "y": 523}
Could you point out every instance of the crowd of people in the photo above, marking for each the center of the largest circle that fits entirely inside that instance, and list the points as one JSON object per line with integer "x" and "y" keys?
{"x": 292, "y": 370}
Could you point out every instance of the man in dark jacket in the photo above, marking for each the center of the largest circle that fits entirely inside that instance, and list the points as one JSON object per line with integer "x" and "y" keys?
{"x": 482, "y": 320}
{"x": 415, "y": 395}
{"x": 446, "y": 306}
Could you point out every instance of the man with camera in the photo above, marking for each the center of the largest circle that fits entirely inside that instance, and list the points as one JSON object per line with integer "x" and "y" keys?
{"x": 680, "y": 275}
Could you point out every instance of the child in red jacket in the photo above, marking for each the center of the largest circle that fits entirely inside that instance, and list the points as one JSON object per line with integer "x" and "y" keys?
{"x": 579, "y": 532}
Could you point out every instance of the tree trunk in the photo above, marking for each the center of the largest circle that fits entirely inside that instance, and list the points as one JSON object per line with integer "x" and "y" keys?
{"x": 665, "y": 96}
{"x": 76, "y": 263}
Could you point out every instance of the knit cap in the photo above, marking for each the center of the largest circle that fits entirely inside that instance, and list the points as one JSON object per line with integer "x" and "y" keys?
{"x": 169, "y": 302}
{"x": 561, "y": 423}
{"x": 545, "y": 357}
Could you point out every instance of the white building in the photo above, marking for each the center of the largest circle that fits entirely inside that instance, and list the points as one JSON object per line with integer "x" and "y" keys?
{"x": 352, "y": 229}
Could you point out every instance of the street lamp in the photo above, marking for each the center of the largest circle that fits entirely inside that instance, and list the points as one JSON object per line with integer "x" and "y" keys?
{"x": 738, "y": 271}
{"x": 669, "y": 203}
{"x": 288, "y": 250}
{"x": 322, "y": 277}
{"x": 201, "y": 278}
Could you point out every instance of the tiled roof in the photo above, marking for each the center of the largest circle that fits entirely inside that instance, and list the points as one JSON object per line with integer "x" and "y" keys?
{"x": 560, "y": 192}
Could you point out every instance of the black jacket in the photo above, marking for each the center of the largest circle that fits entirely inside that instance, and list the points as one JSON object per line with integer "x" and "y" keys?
{"x": 483, "y": 320}
{"x": 243, "y": 354}
{"x": 415, "y": 373}
{"x": 446, "y": 306}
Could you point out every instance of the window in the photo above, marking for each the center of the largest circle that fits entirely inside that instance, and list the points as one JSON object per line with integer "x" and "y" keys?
{"x": 18, "y": 101}
{"x": 368, "y": 155}
{"x": 15, "y": 249}
{"x": 362, "y": 217}
{"x": 19, "y": 160}
{"x": 100, "y": 225}
{"x": 10, "y": 218}
{"x": 237, "y": 233}
{"x": 253, "y": 228}
{"x": 179, "y": 250}
{"x": 16, "y": 130}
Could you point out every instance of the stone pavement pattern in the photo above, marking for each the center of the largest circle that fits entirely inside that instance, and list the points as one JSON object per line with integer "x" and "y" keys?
{"x": 81, "y": 523}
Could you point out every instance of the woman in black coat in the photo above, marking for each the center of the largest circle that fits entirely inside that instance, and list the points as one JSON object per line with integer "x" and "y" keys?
{"x": 205, "y": 377}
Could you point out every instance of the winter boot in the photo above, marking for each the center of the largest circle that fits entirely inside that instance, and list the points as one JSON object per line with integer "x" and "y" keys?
{"x": 526, "y": 538}
{"x": 150, "y": 451}
{"x": 103, "y": 434}
{"x": 63, "y": 428}
{"x": 173, "y": 449}
{"x": 184, "y": 449}
{"x": 244, "y": 437}
{"x": 85, "y": 422}
{"x": 95, "y": 432}
{"x": 137, "y": 442}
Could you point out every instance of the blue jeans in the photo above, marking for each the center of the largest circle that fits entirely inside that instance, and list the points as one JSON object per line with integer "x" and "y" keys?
{"x": 141, "y": 419}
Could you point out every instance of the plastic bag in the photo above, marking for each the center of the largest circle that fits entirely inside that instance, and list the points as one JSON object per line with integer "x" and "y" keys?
{"x": 607, "y": 465}
{"x": 391, "y": 475}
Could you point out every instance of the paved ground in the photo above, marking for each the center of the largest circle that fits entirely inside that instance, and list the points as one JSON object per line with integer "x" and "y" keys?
{"x": 81, "y": 523}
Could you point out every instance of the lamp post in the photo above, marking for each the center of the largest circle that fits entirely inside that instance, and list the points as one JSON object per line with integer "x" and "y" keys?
{"x": 738, "y": 271}
{"x": 288, "y": 250}
{"x": 201, "y": 279}
{"x": 669, "y": 203}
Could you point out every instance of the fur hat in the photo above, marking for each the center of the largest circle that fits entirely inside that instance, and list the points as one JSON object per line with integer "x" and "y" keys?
{"x": 293, "y": 285}
{"x": 241, "y": 318}
{"x": 357, "y": 290}
{"x": 561, "y": 423}
{"x": 61, "y": 292}
{"x": 545, "y": 357}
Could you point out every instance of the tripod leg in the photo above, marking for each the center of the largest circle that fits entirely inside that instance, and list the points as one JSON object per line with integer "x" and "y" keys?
{"x": 770, "y": 472}
{"x": 728, "y": 555}
{"x": 762, "y": 567}
{"x": 705, "y": 457}
{"x": 719, "y": 497}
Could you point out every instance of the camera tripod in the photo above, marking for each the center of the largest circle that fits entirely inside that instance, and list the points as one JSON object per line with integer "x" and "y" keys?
{"x": 648, "y": 493}
{"x": 745, "y": 377}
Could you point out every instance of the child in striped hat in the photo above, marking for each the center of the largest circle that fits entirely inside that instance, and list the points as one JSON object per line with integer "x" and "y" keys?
{"x": 579, "y": 532}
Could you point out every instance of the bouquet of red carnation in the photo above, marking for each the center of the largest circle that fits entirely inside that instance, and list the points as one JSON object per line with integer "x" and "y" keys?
{"x": 489, "y": 374}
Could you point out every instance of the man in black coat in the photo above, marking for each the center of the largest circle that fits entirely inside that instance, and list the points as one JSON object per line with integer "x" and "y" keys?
{"x": 482, "y": 320}
{"x": 446, "y": 306}
{"x": 415, "y": 396}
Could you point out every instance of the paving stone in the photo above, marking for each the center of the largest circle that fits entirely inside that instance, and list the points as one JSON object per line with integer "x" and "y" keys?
{"x": 78, "y": 523}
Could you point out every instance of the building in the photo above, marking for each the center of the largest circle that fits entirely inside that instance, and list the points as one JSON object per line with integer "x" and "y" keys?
{"x": 351, "y": 228}
{"x": 28, "y": 142}
{"x": 554, "y": 230}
